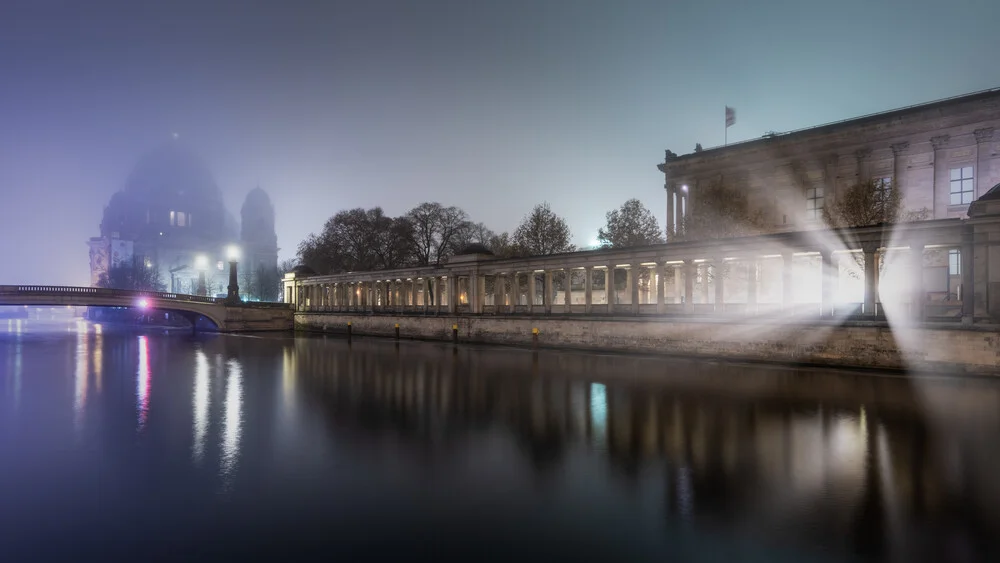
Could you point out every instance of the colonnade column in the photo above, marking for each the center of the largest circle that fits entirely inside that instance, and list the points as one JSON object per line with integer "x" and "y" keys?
{"x": 498, "y": 291}
{"x": 752, "y": 270}
{"x": 609, "y": 288}
{"x": 968, "y": 283}
{"x": 452, "y": 290}
{"x": 870, "y": 265}
{"x": 634, "y": 271}
{"x": 480, "y": 285}
{"x": 414, "y": 290}
{"x": 718, "y": 270}
{"x": 919, "y": 294}
{"x": 547, "y": 288}
{"x": 828, "y": 275}
{"x": 568, "y": 297}
{"x": 588, "y": 289}
{"x": 661, "y": 286}
{"x": 787, "y": 269}
{"x": 531, "y": 291}
{"x": 689, "y": 286}
{"x": 515, "y": 291}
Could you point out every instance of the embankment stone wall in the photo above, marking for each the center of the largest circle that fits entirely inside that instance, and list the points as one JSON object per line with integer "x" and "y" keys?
{"x": 951, "y": 349}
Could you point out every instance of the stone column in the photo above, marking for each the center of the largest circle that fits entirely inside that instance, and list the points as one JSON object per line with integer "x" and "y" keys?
{"x": 983, "y": 179}
{"x": 515, "y": 292}
{"x": 498, "y": 291}
{"x": 899, "y": 150}
{"x": 588, "y": 289}
{"x": 670, "y": 211}
{"x": 689, "y": 286}
{"x": 427, "y": 293}
{"x": 870, "y": 249}
{"x": 633, "y": 284}
{"x": 609, "y": 288}
{"x": 436, "y": 293}
{"x": 827, "y": 274}
{"x": 787, "y": 295}
{"x": 547, "y": 288}
{"x": 864, "y": 163}
{"x": 678, "y": 283}
{"x": 918, "y": 296}
{"x": 661, "y": 286}
{"x": 480, "y": 292}
{"x": 753, "y": 269}
{"x": 531, "y": 291}
{"x": 942, "y": 187}
{"x": 414, "y": 291}
{"x": 630, "y": 272}
{"x": 968, "y": 282}
{"x": 718, "y": 267}
{"x": 452, "y": 294}
{"x": 568, "y": 297}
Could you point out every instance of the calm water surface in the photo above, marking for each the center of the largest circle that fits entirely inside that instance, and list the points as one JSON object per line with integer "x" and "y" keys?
{"x": 123, "y": 446}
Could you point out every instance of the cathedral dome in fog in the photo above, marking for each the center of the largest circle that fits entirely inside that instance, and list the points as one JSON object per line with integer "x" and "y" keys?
{"x": 170, "y": 190}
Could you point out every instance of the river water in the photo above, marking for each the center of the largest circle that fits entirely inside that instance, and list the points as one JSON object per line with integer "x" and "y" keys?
{"x": 125, "y": 446}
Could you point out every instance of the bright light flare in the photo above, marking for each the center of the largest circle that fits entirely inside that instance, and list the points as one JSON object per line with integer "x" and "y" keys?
{"x": 143, "y": 304}
{"x": 201, "y": 262}
{"x": 233, "y": 253}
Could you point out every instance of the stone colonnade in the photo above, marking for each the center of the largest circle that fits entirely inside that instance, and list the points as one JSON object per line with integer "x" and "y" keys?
{"x": 811, "y": 273}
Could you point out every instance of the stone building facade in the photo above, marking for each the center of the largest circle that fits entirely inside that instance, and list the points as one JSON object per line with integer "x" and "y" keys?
{"x": 942, "y": 156}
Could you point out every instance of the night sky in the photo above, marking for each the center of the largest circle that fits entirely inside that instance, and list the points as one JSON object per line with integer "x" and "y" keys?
{"x": 491, "y": 106}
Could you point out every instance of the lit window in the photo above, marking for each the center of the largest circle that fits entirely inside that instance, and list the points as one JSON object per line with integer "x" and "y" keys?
{"x": 962, "y": 185}
{"x": 219, "y": 265}
{"x": 173, "y": 218}
{"x": 181, "y": 219}
{"x": 814, "y": 203}
{"x": 954, "y": 263}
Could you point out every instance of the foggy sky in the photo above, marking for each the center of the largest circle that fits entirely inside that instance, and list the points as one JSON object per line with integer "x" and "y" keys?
{"x": 492, "y": 106}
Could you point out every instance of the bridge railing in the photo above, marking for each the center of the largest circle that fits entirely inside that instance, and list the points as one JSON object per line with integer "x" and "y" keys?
{"x": 101, "y": 292}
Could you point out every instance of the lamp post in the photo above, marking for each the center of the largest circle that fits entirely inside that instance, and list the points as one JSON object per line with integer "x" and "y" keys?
{"x": 201, "y": 263}
{"x": 233, "y": 297}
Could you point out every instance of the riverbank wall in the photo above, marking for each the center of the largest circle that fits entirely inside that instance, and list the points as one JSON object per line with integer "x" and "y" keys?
{"x": 932, "y": 347}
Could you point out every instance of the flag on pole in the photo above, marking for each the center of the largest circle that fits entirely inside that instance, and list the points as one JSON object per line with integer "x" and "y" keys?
{"x": 730, "y": 116}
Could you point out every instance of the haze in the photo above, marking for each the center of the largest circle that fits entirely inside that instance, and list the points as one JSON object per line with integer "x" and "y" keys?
{"x": 490, "y": 106}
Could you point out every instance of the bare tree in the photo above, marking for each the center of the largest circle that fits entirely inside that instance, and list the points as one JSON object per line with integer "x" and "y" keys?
{"x": 720, "y": 212}
{"x": 630, "y": 225}
{"x": 437, "y": 230}
{"x": 543, "y": 232}
{"x": 135, "y": 274}
{"x": 359, "y": 240}
{"x": 870, "y": 202}
{"x": 503, "y": 246}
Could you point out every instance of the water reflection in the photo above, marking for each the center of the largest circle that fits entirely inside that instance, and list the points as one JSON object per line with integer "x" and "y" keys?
{"x": 142, "y": 384}
{"x": 232, "y": 422}
{"x": 787, "y": 455}
{"x": 80, "y": 374}
{"x": 201, "y": 400}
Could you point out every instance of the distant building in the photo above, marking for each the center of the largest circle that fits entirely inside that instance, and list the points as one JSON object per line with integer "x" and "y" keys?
{"x": 942, "y": 155}
{"x": 170, "y": 213}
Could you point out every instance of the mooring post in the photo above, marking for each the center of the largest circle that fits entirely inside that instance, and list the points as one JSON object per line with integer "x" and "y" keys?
{"x": 454, "y": 334}
{"x": 534, "y": 337}
{"x": 348, "y": 331}
{"x": 397, "y": 331}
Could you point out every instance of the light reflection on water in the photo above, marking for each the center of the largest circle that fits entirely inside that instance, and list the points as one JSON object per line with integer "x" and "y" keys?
{"x": 375, "y": 444}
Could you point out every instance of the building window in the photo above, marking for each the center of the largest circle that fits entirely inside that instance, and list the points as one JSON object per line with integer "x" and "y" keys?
{"x": 954, "y": 262}
{"x": 962, "y": 185}
{"x": 814, "y": 203}
{"x": 173, "y": 218}
{"x": 181, "y": 219}
{"x": 219, "y": 265}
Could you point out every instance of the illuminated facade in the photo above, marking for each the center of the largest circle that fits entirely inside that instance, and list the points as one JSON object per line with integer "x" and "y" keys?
{"x": 942, "y": 155}
{"x": 170, "y": 213}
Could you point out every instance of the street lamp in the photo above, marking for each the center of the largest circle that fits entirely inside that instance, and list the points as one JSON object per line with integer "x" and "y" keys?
{"x": 233, "y": 253}
{"x": 201, "y": 263}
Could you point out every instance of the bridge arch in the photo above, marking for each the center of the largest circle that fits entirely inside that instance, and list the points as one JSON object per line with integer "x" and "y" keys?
{"x": 191, "y": 306}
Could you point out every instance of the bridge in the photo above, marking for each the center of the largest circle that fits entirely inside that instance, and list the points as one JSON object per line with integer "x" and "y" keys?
{"x": 227, "y": 318}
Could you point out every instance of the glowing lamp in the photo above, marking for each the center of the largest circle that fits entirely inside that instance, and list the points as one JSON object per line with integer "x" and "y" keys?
{"x": 201, "y": 262}
{"x": 233, "y": 253}
{"x": 143, "y": 304}
{"x": 684, "y": 187}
